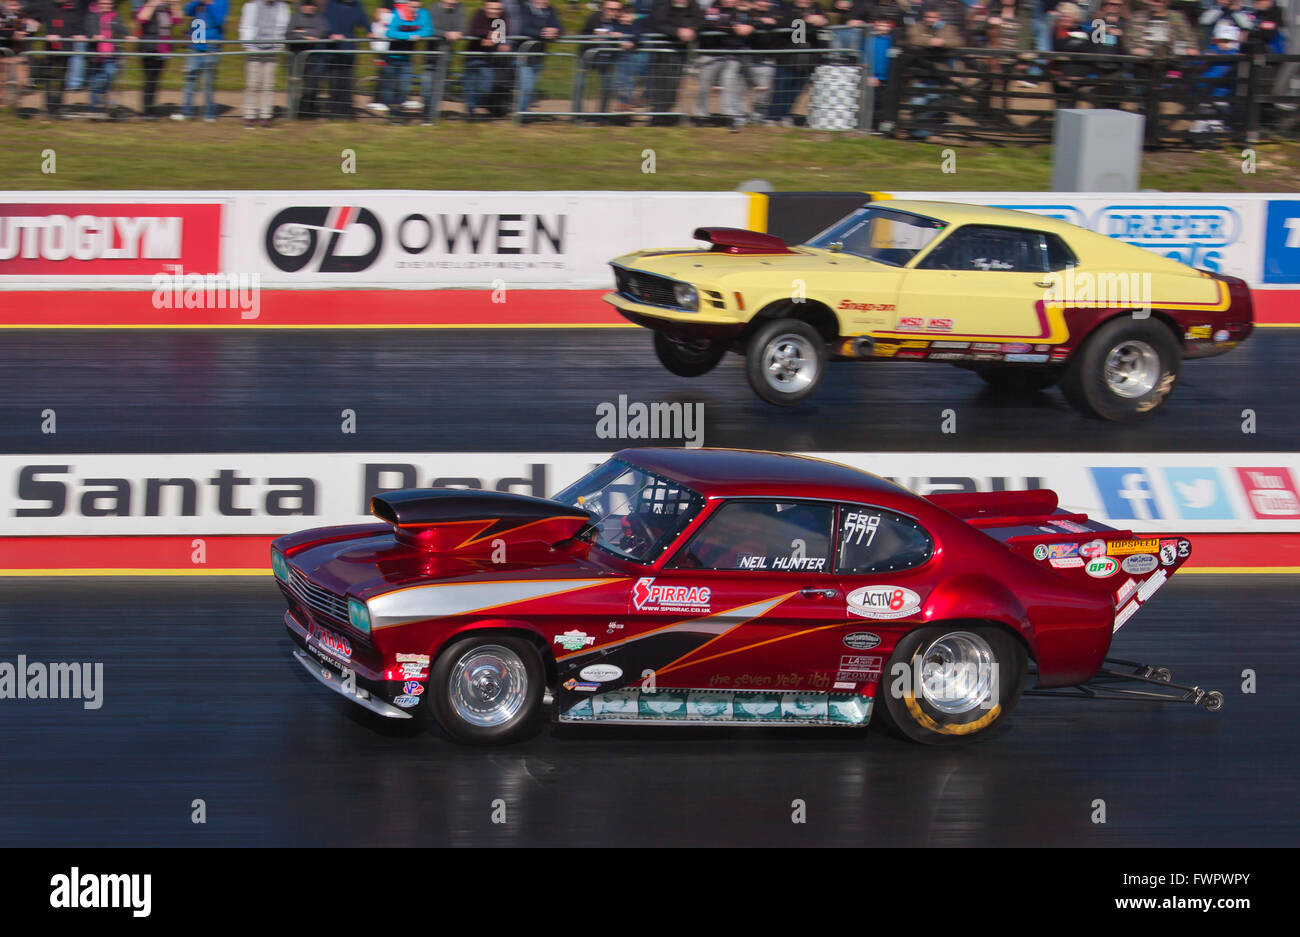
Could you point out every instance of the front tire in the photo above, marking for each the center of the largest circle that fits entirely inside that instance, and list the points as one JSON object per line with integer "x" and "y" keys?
{"x": 487, "y": 689}
{"x": 687, "y": 358}
{"x": 785, "y": 361}
{"x": 1126, "y": 369}
{"x": 958, "y": 683}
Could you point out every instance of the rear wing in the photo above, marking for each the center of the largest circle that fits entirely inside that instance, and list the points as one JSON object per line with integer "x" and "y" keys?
{"x": 1032, "y": 524}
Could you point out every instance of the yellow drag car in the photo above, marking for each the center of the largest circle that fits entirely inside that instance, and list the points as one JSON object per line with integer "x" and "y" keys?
{"x": 1022, "y": 300}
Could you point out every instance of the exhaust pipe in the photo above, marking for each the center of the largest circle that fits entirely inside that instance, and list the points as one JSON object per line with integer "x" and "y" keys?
{"x": 861, "y": 346}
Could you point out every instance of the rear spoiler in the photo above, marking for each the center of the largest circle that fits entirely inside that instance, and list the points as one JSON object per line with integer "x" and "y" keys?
{"x": 1031, "y": 523}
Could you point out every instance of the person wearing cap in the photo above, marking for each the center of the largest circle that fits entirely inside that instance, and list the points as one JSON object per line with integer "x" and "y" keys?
{"x": 1224, "y": 10}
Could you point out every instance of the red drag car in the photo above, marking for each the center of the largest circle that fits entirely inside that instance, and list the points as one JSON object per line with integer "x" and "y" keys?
{"x": 721, "y": 586}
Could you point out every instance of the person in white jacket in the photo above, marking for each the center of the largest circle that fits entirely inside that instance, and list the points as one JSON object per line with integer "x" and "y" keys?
{"x": 262, "y": 28}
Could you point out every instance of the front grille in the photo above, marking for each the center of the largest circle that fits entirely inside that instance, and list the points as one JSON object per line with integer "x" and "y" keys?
{"x": 645, "y": 287}
{"x": 317, "y": 599}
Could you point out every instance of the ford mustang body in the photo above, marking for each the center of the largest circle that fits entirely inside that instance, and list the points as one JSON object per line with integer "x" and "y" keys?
{"x": 706, "y": 586}
{"x": 1022, "y": 300}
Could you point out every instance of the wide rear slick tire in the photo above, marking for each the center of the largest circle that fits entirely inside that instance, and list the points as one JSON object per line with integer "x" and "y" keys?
{"x": 687, "y": 357}
{"x": 487, "y": 689}
{"x": 785, "y": 361}
{"x": 951, "y": 684}
{"x": 1125, "y": 369}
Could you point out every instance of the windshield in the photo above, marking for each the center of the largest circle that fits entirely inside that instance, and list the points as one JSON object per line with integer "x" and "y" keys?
{"x": 880, "y": 234}
{"x": 636, "y": 513}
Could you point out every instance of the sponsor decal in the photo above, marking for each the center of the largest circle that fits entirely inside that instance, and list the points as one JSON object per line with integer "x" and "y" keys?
{"x": 854, "y": 663}
{"x": 1148, "y": 588}
{"x": 1271, "y": 492}
{"x": 1040, "y": 552}
{"x": 600, "y": 673}
{"x": 574, "y": 640}
{"x": 866, "y": 307}
{"x": 1125, "y": 547}
{"x": 1016, "y": 347}
{"x": 1103, "y": 567}
{"x": 1139, "y": 564}
{"x": 910, "y": 353}
{"x": 1198, "y": 493}
{"x": 753, "y": 707}
{"x": 337, "y": 645}
{"x": 1066, "y": 562}
{"x": 1198, "y": 331}
{"x": 1093, "y": 548}
{"x": 956, "y": 345}
{"x": 910, "y": 323}
{"x": 1056, "y": 551}
{"x": 986, "y": 356}
{"x": 1026, "y": 359}
{"x": 884, "y": 351}
{"x": 843, "y": 685}
{"x": 862, "y": 640}
{"x": 1168, "y": 552}
{"x": 1221, "y": 336}
{"x": 986, "y": 346}
{"x": 1124, "y": 615}
{"x": 577, "y": 687}
{"x": 1124, "y": 591}
{"x": 406, "y": 701}
{"x": 414, "y": 671}
{"x": 1071, "y": 527}
{"x": 648, "y": 597}
{"x": 422, "y": 659}
{"x": 412, "y": 688}
{"x": 883, "y": 602}
{"x": 947, "y": 356}
{"x": 940, "y": 325}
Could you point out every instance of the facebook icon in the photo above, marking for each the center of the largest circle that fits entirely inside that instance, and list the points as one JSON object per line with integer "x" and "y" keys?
{"x": 1126, "y": 493}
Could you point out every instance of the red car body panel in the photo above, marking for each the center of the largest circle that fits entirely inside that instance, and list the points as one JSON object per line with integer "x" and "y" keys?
{"x": 712, "y": 629}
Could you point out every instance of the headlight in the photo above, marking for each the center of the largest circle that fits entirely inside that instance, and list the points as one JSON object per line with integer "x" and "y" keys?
{"x": 686, "y": 296}
{"x": 359, "y": 615}
{"x": 279, "y": 566}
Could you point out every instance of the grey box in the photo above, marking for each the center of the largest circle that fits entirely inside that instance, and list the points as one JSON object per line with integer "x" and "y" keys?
{"x": 1096, "y": 150}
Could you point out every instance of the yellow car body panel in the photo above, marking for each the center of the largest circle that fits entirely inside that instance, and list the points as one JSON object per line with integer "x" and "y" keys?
{"x": 870, "y": 298}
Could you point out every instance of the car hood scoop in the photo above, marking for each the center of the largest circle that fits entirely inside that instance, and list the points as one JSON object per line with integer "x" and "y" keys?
{"x": 454, "y": 520}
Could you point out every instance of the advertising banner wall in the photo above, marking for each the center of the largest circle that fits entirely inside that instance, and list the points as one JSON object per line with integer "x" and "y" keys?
{"x": 1222, "y": 233}
{"x": 350, "y": 239}
{"x": 272, "y": 493}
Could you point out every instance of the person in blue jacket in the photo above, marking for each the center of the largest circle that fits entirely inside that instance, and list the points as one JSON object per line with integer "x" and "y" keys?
{"x": 410, "y": 23}
{"x": 207, "y": 22}
{"x": 344, "y": 19}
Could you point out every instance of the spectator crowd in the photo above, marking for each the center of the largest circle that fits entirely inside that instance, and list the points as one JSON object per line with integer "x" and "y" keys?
{"x": 750, "y": 60}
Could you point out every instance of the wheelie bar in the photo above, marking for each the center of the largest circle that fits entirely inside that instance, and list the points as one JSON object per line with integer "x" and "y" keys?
{"x": 1112, "y": 683}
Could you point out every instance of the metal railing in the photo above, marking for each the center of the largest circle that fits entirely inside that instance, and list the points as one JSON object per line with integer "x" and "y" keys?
{"x": 977, "y": 94}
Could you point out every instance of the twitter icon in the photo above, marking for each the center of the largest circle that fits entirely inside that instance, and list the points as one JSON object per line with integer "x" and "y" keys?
{"x": 1199, "y": 494}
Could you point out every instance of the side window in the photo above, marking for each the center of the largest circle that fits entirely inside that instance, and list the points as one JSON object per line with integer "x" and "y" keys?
{"x": 977, "y": 247}
{"x": 1059, "y": 256}
{"x": 872, "y": 540}
{"x": 771, "y": 536}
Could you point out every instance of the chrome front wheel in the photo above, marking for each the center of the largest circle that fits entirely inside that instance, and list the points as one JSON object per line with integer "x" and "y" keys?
{"x": 487, "y": 689}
